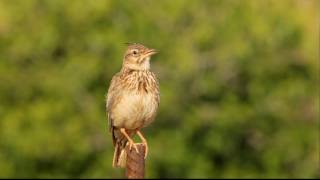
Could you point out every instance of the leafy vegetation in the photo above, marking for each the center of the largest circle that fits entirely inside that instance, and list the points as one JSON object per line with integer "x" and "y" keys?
{"x": 238, "y": 79}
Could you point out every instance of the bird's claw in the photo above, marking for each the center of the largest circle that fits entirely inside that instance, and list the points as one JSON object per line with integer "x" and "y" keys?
{"x": 146, "y": 150}
{"x": 131, "y": 143}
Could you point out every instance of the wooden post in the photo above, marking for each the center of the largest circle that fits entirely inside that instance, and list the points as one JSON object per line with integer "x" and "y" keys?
{"x": 135, "y": 162}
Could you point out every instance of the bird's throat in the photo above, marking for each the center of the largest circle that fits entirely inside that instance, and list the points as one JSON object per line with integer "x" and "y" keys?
{"x": 142, "y": 66}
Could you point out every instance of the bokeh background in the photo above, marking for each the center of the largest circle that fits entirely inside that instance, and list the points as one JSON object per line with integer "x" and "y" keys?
{"x": 238, "y": 79}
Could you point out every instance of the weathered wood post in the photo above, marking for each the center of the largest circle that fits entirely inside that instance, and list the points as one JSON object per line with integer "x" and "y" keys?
{"x": 135, "y": 162}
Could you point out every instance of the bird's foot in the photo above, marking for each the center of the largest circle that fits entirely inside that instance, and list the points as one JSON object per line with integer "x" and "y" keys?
{"x": 144, "y": 142}
{"x": 146, "y": 149}
{"x": 131, "y": 143}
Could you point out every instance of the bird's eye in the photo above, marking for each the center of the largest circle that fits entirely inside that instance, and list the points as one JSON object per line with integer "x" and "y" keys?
{"x": 135, "y": 52}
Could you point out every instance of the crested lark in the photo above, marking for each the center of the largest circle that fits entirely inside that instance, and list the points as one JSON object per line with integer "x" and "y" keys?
{"x": 132, "y": 100}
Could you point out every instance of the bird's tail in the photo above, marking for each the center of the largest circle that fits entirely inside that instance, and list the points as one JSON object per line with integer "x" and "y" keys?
{"x": 119, "y": 156}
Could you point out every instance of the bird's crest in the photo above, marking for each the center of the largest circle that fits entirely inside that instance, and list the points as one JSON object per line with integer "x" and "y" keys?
{"x": 130, "y": 43}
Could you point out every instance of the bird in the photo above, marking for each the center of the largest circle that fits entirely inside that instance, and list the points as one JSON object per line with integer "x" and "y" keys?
{"x": 132, "y": 101}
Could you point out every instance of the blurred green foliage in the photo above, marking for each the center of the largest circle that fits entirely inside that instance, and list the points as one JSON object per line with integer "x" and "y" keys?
{"x": 239, "y": 86}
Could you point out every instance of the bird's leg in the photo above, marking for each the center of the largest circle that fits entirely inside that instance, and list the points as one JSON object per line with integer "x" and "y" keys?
{"x": 144, "y": 141}
{"x": 131, "y": 143}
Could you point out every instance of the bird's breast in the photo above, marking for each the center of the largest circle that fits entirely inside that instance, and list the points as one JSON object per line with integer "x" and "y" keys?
{"x": 135, "y": 110}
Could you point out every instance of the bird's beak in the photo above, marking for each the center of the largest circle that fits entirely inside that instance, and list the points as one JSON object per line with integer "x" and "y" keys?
{"x": 150, "y": 52}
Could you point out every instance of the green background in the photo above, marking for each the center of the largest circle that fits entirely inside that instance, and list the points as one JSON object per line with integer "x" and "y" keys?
{"x": 238, "y": 79}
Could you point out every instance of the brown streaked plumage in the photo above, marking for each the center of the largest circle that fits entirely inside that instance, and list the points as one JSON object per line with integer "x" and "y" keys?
{"x": 132, "y": 100}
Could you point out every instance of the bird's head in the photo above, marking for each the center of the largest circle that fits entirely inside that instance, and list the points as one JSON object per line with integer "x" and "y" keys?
{"x": 137, "y": 57}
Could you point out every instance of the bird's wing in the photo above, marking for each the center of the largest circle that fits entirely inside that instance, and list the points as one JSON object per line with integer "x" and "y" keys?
{"x": 113, "y": 97}
{"x": 156, "y": 89}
